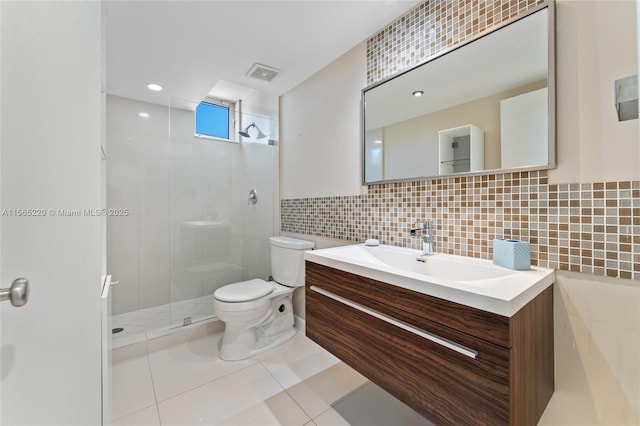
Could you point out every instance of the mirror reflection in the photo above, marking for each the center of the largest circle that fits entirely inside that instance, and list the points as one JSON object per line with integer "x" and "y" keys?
{"x": 483, "y": 106}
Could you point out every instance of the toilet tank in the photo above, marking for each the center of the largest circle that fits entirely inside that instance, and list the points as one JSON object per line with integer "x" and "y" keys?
{"x": 287, "y": 260}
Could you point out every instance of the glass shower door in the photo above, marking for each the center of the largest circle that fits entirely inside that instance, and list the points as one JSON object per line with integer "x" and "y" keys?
{"x": 218, "y": 236}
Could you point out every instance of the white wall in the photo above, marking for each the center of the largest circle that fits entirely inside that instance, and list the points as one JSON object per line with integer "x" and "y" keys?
{"x": 597, "y": 348}
{"x": 261, "y": 103}
{"x": 597, "y": 325}
{"x": 320, "y": 152}
{"x": 51, "y": 133}
{"x": 596, "y": 44}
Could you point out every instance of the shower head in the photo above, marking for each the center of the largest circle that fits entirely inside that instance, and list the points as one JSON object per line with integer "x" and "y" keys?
{"x": 245, "y": 133}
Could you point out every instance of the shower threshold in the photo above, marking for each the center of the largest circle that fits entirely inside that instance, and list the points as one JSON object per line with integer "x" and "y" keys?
{"x": 149, "y": 323}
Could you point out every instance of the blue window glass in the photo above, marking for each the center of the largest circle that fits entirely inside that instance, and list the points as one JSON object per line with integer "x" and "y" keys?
{"x": 212, "y": 120}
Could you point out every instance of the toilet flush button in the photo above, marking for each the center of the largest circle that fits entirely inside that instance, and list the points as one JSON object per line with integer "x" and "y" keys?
{"x": 372, "y": 242}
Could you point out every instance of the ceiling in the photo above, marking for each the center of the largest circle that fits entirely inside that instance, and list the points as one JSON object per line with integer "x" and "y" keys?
{"x": 190, "y": 46}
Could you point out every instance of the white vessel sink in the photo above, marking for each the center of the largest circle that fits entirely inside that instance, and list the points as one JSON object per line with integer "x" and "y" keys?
{"x": 473, "y": 282}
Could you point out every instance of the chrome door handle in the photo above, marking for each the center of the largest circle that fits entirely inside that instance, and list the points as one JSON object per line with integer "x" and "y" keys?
{"x": 253, "y": 197}
{"x": 18, "y": 293}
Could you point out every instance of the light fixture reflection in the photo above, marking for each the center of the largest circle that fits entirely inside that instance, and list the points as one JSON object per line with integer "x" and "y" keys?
{"x": 155, "y": 87}
{"x": 143, "y": 114}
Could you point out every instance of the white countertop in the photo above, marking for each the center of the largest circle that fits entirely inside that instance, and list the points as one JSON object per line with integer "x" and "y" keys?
{"x": 473, "y": 282}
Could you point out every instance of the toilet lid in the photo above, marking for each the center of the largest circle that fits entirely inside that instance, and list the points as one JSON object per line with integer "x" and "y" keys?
{"x": 243, "y": 291}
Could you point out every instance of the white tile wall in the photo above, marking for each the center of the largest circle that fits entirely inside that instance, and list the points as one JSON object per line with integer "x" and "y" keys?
{"x": 154, "y": 277}
{"x": 124, "y": 268}
{"x": 138, "y": 180}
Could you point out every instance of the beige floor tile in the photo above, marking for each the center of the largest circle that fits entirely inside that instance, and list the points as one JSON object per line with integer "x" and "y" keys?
{"x": 247, "y": 397}
{"x": 185, "y": 366}
{"x": 371, "y": 406}
{"x": 297, "y": 360}
{"x": 132, "y": 388}
{"x": 317, "y": 393}
{"x": 331, "y": 418}
{"x": 146, "y": 417}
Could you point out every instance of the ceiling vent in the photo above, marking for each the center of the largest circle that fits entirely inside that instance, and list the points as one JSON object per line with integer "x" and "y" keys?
{"x": 263, "y": 72}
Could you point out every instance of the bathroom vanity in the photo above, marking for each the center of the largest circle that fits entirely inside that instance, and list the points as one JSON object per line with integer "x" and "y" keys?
{"x": 461, "y": 341}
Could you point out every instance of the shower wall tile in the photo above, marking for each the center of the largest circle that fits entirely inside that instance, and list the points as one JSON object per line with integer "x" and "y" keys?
{"x": 153, "y": 177}
{"x": 582, "y": 227}
{"x": 122, "y": 175}
{"x": 122, "y": 231}
{"x": 125, "y": 294}
{"x": 137, "y": 180}
{"x": 154, "y": 278}
{"x": 155, "y": 224}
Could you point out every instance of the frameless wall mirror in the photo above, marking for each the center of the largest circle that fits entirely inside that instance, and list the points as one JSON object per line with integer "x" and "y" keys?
{"x": 485, "y": 106}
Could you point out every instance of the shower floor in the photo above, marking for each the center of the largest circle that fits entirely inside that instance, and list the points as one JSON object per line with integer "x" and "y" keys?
{"x": 152, "y": 322}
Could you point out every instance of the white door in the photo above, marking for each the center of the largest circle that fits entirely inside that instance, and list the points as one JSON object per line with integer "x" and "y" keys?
{"x": 50, "y": 131}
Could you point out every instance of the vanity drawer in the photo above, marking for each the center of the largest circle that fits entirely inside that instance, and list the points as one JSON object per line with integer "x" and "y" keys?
{"x": 421, "y": 307}
{"x": 452, "y": 363}
{"x": 444, "y": 385}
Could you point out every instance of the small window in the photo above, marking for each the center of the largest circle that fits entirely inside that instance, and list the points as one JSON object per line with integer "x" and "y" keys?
{"x": 212, "y": 120}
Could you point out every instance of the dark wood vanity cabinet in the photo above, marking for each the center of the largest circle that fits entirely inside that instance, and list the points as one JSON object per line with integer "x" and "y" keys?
{"x": 502, "y": 373}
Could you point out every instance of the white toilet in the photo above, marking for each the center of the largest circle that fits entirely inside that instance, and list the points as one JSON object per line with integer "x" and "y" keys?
{"x": 258, "y": 315}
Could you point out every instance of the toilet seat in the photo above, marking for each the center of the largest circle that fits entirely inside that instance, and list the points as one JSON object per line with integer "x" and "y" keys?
{"x": 243, "y": 291}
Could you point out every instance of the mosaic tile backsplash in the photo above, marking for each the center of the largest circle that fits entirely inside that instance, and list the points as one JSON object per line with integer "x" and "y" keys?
{"x": 582, "y": 227}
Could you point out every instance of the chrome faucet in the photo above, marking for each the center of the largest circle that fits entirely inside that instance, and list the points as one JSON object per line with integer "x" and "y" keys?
{"x": 427, "y": 238}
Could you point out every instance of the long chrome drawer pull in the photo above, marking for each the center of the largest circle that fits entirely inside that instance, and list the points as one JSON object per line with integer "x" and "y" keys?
{"x": 408, "y": 327}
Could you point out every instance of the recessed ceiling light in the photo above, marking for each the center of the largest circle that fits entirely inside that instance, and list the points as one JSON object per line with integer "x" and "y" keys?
{"x": 154, "y": 87}
{"x": 143, "y": 114}
{"x": 418, "y": 93}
